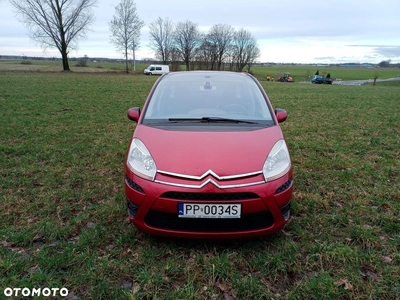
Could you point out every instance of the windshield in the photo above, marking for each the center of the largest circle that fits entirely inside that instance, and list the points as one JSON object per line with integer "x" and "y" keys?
{"x": 210, "y": 95}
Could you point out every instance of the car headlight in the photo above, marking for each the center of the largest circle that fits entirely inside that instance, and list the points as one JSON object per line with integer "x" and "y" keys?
{"x": 140, "y": 161}
{"x": 278, "y": 162}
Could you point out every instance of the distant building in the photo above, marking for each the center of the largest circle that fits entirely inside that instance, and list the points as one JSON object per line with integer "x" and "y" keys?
{"x": 356, "y": 65}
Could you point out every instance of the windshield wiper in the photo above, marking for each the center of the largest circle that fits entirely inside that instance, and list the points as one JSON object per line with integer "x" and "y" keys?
{"x": 228, "y": 120}
{"x": 211, "y": 120}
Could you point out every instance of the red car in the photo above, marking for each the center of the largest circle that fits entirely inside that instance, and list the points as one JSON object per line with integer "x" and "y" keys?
{"x": 208, "y": 159}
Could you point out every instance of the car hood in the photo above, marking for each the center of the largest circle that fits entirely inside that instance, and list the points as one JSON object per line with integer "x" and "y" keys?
{"x": 195, "y": 152}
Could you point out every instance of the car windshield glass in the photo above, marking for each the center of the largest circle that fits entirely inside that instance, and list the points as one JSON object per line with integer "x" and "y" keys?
{"x": 210, "y": 96}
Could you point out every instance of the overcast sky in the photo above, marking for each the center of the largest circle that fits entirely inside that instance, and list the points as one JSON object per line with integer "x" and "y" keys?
{"x": 300, "y": 31}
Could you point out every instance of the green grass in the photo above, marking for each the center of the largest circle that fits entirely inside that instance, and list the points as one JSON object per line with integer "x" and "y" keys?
{"x": 63, "y": 219}
{"x": 56, "y": 66}
{"x": 388, "y": 83}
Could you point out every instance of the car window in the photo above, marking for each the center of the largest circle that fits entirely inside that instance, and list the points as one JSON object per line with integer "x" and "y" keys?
{"x": 197, "y": 95}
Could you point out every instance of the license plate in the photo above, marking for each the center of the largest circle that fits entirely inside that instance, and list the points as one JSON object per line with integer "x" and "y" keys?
{"x": 211, "y": 211}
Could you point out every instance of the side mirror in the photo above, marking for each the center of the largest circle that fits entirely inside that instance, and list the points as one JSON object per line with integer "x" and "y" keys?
{"x": 134, "y": 114}
{"x": 281, "y": 115}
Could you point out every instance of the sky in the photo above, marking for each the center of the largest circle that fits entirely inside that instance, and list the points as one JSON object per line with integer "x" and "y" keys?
{"x": 290, "y": 31}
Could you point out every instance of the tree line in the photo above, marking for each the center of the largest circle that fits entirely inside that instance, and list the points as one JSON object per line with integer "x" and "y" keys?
{"x": 61, "y": 23}
{"x": 185, "y": 42}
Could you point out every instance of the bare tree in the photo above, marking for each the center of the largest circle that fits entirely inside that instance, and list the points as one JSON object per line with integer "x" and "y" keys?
{"x": 56, "y": 23}
{"x": 253, "y": 54}
{"x": 125, "y": 28}
{"x": 208, "y": 53}
{"x": 161, "y": 38}
{"x": 203, "y": 56}
{"x": 219, "y": 40}
{"x": 245, "y": 49}
{"x": 175, "y": 57}
{"x": 187, "y": 38}
{"x": 135, "y": 46}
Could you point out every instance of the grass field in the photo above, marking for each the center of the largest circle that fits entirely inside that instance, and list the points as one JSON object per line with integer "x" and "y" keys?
{"x": 63, "y": 219}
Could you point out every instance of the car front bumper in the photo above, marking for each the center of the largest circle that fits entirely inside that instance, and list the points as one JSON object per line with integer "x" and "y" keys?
{"x": 153, "y": 208}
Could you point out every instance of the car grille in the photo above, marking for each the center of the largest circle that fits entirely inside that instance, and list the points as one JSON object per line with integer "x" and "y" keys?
{"x": 209, "y": 177}
{"x": 209, "y": 196}
{"x": 171, "y": 221}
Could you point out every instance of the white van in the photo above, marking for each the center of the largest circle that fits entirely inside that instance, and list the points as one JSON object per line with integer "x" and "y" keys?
{"x": 156, "y": 70}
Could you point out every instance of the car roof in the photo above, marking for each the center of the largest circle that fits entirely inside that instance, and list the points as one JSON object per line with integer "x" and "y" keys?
{"x": 225, "y": 75}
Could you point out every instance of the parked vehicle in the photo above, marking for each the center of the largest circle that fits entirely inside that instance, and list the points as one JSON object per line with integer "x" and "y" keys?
{"x": 208, "y": 159}
{"x": 156, "y": 70}
{"x": 285, "y": 78}
{"x": 321, "y": 80}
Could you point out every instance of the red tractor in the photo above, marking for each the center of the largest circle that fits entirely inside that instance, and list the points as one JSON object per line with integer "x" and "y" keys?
{"x": 285, "y": 78}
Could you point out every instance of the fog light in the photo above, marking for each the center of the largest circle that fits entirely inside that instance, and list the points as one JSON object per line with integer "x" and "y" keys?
{"x": 132, "y": 209}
